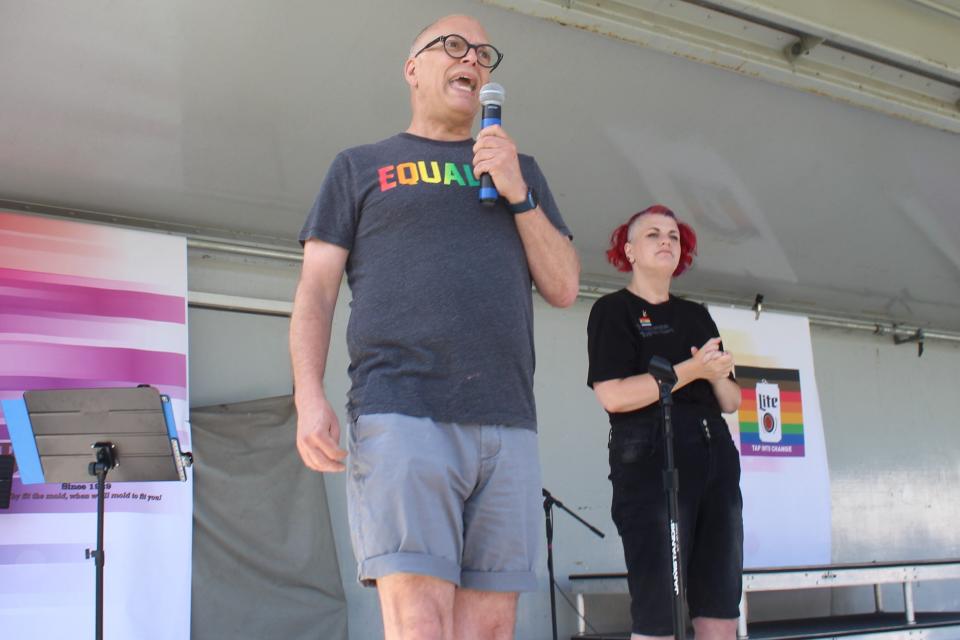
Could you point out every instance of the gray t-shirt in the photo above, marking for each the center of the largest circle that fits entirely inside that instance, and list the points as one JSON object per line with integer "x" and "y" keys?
{"x": 441, "y": 322}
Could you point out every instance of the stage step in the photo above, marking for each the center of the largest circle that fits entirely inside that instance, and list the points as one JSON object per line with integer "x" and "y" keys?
{"x": 930, "y": 626}
{"x": 887, "y": 625}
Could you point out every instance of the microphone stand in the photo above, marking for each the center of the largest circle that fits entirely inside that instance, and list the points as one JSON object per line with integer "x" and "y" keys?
{"x": 663, "y": 372}
{"x": 548, "y": 503}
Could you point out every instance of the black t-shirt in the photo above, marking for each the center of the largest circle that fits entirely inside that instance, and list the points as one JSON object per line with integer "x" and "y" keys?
{"x": 624, "y": 331}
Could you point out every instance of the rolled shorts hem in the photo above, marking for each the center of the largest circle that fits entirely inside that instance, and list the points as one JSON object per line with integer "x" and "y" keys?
{"x": 419, "y": 563}
{"x": 502, "y": 581}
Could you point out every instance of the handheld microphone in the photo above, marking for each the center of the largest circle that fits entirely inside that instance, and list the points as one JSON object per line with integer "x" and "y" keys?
{"x": 492, "y": 96}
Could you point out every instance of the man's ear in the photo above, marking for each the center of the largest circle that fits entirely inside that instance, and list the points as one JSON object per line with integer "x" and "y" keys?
{"x": 410, "y": 72}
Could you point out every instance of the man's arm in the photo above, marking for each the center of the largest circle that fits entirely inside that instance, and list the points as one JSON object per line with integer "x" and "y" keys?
{"x": 318, "y": 430}
{"x": 553, "y": 261}
{"x": 551, "y": 257}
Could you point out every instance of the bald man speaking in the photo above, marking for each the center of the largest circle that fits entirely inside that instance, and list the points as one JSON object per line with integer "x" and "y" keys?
{"x": 443, "y": 475}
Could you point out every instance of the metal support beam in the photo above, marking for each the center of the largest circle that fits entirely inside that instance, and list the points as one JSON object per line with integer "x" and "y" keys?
{"x": 880, "y": 63}
{"x": 239, "y": 304}
{"x": 905, "y": 32}
{"x": 742, "y": 620}
{"x": 581, "y": 615}
{"x": 908, "y": 602}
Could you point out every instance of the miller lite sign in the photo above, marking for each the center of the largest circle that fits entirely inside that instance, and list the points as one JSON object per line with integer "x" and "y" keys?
{"x": 768, "y": 412}
{"x": 771, "y": 412}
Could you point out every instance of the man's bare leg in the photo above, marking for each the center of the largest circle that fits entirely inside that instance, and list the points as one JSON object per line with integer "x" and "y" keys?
{"x": 416, "y": 607}
{"x": 484, "y": 615}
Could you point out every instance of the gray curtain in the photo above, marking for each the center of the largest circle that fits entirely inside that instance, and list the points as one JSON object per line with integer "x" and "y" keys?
{"x": 264, "y": 560}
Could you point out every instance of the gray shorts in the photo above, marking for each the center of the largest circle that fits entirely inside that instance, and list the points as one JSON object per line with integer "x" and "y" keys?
{"x": 460, "y": 503}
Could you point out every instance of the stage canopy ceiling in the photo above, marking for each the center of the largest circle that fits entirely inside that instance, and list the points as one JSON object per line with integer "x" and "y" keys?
{"x": 823, "y": 183}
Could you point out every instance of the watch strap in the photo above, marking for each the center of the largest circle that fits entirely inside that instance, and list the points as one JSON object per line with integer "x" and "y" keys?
{"x": 527, "y": 204}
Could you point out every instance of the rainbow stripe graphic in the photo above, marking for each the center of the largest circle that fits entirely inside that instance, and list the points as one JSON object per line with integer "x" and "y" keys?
{"x": 787, "y": 440}
{"x": 426, "y": 171}
{"x": 86, "y": 306}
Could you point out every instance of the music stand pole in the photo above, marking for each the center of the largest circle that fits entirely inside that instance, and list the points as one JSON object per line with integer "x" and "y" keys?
{"x": 106, "y": 460}
{"x": 548, "y": 503}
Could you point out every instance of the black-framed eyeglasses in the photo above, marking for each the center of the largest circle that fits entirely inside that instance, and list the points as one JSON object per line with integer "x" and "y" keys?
{"x": 457, "y": 46}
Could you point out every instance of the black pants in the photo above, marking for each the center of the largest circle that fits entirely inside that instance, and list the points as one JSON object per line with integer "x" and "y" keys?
{"x": 711, "y": 518}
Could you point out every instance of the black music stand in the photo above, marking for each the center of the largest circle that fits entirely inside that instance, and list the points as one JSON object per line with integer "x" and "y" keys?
{"x": 69, "y": 435}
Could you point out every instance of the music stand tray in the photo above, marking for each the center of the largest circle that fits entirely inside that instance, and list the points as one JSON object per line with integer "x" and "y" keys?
{"x": 68, "y": 435}
{"x": 54, "y": 432}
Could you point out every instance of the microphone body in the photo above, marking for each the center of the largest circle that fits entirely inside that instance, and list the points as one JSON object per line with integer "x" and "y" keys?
{"x": 491, "y": 97}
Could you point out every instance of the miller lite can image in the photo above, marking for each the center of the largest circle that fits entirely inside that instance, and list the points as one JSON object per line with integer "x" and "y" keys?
{"x": 768, "y": 411}
{"x": 771, "y": 412}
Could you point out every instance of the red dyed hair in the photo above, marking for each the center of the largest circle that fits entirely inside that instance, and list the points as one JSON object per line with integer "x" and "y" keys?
{"x": 621, "y": 235}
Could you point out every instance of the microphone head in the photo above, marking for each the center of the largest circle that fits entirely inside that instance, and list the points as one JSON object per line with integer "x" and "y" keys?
{"x": 492, "y": 93}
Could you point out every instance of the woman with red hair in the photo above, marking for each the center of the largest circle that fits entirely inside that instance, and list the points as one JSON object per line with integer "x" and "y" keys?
{"x": 626, "y": 329}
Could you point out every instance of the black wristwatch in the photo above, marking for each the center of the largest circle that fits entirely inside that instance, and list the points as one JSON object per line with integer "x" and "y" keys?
{"x": 528, "y": 203}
